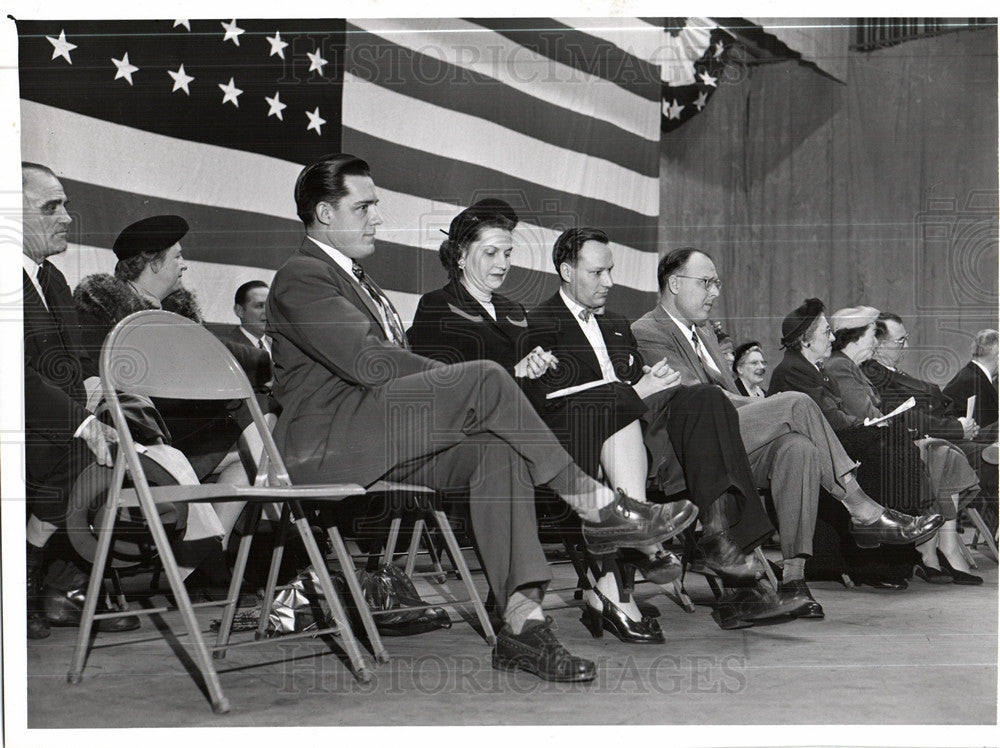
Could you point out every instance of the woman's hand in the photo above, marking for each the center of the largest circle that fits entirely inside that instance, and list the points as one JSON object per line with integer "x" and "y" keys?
{"x": 535, "y": 364}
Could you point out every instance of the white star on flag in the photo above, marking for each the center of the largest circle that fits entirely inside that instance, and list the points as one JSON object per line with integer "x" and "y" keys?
{"x": 277, "y": 46}
{"x": 61, "y": 47}
{"x": 315, "y": 121}
{"x": 125, "y": 68}
{"x": 702, "y": 100}
{"x": 673, "y": 110}
{"x": 316, "y": 62}
{"x": 182, "y": 22}
{"x": 276, "y": 106}
{"x": 181, "y": 80}
{"x": 232, "y": 93}
{"x": 707, "y": 79}
{"x": 232, "y": 32}
{"x": 719, "y": 49}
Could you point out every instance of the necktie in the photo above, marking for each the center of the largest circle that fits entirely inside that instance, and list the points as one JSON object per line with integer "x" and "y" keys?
{"x": 44, "y": 278}
{"x": 260, "y": 344}
{"x": 711, "y": 370}
{"x": 587, "y": 313}
{"x": 389, "y": 313}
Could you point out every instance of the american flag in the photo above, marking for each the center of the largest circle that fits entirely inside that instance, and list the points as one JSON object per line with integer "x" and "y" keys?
{"x": 696, "y": 65}
{"x": 213, "y": 119}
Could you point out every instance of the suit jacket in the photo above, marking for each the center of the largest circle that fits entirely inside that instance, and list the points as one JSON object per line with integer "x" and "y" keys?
{"x": 934, "y": 415}
{"x": 794, "y": 373}
{"x": 971, "y": 380}
{"x": 332, "y": 362}
{"x": 552, "y": 326}
{"x": 658, "y": 336}
{"x": 237, "y": 342}
{"x": 54, "y": 365}
{"x": 859, "y": 398}
{"x": 451, "y": 326}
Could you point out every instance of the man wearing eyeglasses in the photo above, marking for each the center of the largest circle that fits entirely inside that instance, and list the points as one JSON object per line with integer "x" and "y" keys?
{"x": 935, "y": 414}
{"x": 793, "y": 451}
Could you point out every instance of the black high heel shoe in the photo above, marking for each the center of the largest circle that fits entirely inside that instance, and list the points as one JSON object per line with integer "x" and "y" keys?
{"x": 931, "y": 575}
{"x": 958, "y": 577}
{"x": 613, "y": 619}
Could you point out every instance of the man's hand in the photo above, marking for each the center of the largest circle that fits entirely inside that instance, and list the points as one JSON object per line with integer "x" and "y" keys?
{"x": 656, "y": 378}
{"x": 970, "y": 428}
{"x": 99, "y": 438}
{"x": 535, "y": 364}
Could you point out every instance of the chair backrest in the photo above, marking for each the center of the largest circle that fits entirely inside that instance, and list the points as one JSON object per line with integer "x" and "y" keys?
{"x": 161, "y": 354}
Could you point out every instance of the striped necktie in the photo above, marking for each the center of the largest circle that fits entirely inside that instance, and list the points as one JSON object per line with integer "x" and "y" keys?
{"x": 389, "y": 313}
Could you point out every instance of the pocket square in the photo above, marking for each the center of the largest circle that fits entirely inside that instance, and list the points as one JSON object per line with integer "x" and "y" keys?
{"x": 618, "y": 334}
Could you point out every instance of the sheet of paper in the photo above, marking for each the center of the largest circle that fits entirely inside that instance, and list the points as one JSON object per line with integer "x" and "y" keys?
{"x": 903, "y": 407}
{"x": 578, "y": 388}
{"x": 970, "y": 406}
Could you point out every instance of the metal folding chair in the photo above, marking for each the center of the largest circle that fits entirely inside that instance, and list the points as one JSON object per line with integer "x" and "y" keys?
{"x": 159, "y": 354}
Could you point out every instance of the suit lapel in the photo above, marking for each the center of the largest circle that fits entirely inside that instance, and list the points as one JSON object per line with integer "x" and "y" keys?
{"x": 573, "y": 338}
{"x": 711, "y": 344}
{"x": 682, "y": 344}
{"x": 348, "y": 284}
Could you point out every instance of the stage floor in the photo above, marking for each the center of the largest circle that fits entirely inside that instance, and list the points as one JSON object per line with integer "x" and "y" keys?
{"x": 924, "y": 656}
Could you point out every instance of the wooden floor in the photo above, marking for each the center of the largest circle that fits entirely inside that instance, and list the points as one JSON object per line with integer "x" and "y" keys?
{"x": 924, "y": 656}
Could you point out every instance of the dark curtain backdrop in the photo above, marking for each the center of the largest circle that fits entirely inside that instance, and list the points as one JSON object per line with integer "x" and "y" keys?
{"x": 882, "y": 191}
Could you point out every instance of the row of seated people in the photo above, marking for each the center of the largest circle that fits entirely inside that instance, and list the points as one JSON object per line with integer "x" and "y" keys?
{"x": 659, "y": 411}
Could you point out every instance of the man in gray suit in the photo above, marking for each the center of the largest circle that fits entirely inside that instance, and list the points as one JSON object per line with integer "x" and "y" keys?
{"x": 359, "y": 406}
{"x": 791, "y": 447}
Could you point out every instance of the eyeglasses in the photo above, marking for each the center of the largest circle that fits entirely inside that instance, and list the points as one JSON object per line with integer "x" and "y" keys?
{"x": 707, "y": 283}
{"x": 901, "y": 341}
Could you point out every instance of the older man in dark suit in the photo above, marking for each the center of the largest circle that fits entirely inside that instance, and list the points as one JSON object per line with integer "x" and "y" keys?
{"x": 359, "y": 406}
{"x": 979, "y": 378}
{"x": 61, "y": 436}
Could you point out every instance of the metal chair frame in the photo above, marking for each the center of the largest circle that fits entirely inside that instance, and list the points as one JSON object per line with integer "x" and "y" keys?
{"x": 143, "y": 355}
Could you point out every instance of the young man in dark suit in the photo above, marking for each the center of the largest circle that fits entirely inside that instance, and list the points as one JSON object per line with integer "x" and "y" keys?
{"x": 61, "y": 436}
{"x": 250, "y": 306}
{"x": 359, "y": 406}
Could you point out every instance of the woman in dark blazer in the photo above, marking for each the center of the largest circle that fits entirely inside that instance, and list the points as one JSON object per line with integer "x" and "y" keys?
{"x": 468, "y": 320}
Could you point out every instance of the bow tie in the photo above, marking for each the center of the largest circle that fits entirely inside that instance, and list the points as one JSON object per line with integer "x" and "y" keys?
{"x": 586, "y": 313}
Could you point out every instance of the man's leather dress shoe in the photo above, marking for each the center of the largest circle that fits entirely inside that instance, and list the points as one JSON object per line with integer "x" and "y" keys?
{"x": 664, "y": 569}
{"x": 536, "y": 650}
{"x": 896, "y": 528}
{"x": 890, "y": 585}
{"x": 742, "y": 606}
{"x": 718, "y": 555}
{"x": 627, "y": 523}
{"x": 38, "y": 627}
{"x": 798, "y": 588}
{"x": 66, "y": 609}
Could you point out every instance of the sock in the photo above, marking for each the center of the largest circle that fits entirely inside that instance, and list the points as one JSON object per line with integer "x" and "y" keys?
{"x": 521, "y": 609}
{"x": 713, "y": 518}
{"x": 38, "y": 532}
{"x": 793, "y": 568}
{"x": 863, "y": 508}
{"x": 584, "y": 494}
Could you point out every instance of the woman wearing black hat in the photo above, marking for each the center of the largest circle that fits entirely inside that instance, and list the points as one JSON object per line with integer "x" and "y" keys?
{"x": 148, "y": 276}
{"x": 468, "y": 320}
{"x": 749, "y": 368}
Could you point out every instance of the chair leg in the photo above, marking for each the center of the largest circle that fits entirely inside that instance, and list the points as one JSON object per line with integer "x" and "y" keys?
{"x": 220, "y": 704}
{"x": 390, "y": 542}
{"x": 768, "y": 571}
{"x": 980, "y": 524}
{"x": 351, "y": 576}
{"x": 318, "y": 562}
{"x": 242, "y": 554}
{"x": 440, "y": 575}
{"x": 272, "y": 573}
{"x": 75, "y": 673}
{"x": 116, "y": 585}
{"x": 463, "y": 569}
{"x": 411, "y": 552}
{"x": 683, "y": 596}
{"x": 965, "y": 553}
